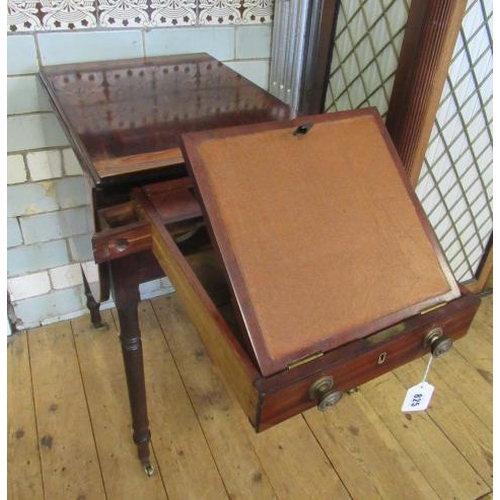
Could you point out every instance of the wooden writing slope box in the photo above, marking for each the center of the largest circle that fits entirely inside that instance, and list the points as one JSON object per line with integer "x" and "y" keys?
{"x": 318, "y": 270}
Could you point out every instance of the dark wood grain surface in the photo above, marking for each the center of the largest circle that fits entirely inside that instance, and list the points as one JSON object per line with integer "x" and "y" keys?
{"x": 127, "y": 116}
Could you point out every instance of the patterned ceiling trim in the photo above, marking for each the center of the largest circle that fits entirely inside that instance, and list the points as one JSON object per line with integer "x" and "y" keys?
{"x": 73, "y": 15}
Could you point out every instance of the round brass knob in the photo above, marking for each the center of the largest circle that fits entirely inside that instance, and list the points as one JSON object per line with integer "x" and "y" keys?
{"x": 331, "y": 398}
{"x": 441, "y": 346}
{"x": 438, "y": 342}
{"x": 323, "y": 392}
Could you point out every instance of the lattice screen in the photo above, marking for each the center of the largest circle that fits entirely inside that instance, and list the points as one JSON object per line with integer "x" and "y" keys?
{"x": 456, "y": 182}
{"x": 455, "y": 185}
{"x": 366, "y": 50}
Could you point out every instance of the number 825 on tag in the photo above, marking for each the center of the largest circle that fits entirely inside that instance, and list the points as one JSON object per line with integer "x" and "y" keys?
{"x": 418, "y": 397}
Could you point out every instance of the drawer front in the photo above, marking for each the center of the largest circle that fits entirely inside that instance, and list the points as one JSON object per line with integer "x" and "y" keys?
{"x": 288, "y": 394}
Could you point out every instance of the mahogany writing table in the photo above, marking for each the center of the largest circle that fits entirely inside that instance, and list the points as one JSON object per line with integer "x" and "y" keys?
{"x": 124, "y": 120}
{"x": 297, "y": 247}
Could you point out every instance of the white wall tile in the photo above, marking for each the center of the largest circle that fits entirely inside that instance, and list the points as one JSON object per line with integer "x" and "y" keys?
{"x": 26, "y": 259}
{"x": 54, "y": 225}
{"x": 155, "y": 288}
{"x": 71, "y": 164}
{"x": 23, "y": 95}
{"x": 21, "y": 55}
{"x": 71, "y": 192}
{"x": 89, "y": 46}
{"x": 65, "y": 276}
{"x": 44, "y": 164}
{"x": 253, "y": 42}
{"x": 256, "y": 71}
{"x": 81, "y": 246}
{"x": 34, "y": 131}
{"x": 55, "y": 306}
{"x": 31, "y": 198}
{"x": 27, "y": 286}
{"x": 16, "y": 170}
{"x": 91, "y": 271}
{"x": 216, "y": 41}
{"x": 14, "y": 236}
{"x": 46, "y": 196}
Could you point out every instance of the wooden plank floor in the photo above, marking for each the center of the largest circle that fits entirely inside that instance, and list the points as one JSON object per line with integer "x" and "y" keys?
{"x": 69, "y": 433}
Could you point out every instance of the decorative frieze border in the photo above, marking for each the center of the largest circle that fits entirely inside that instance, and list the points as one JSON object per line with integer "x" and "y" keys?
{"x": 72, "y": 15}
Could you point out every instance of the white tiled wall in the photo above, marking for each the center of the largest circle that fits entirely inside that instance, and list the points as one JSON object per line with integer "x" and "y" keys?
{"x": 48, "y": 216}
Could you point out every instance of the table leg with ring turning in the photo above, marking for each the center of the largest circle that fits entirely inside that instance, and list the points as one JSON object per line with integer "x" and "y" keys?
{"x": 126, "y": 295}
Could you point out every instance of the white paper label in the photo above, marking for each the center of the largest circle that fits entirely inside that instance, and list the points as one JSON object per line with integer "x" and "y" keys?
{"x": 418, "y": 397}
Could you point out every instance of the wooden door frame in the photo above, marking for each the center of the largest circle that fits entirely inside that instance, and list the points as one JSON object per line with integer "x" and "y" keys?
{"x": 429, "y": 40}
{"x": 430, "y": 37}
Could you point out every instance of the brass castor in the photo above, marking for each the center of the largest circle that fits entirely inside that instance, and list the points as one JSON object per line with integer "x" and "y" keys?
{"x": 148, "y": 469}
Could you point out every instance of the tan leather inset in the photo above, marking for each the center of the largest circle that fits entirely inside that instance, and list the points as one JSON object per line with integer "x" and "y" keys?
{"x": 323, "y": 232}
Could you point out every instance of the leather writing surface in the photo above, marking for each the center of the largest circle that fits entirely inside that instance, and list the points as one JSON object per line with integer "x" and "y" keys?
{"x": 318, "y": 234}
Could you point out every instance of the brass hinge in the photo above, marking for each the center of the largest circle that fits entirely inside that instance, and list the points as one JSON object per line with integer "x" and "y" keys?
{"x": 433, "y": 308}
{"x": 304, "y": 360}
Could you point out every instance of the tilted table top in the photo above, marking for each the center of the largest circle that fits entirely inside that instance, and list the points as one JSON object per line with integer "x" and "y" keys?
{"x": 127, "y": 116}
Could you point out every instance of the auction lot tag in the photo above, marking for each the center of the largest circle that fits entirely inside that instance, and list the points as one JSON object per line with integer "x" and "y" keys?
{"x": 418, "y": 397}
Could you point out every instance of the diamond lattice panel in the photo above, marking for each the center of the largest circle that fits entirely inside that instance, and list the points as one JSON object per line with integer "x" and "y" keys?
{"x": 366, "y": 50}
{"x": 456, "y": 182}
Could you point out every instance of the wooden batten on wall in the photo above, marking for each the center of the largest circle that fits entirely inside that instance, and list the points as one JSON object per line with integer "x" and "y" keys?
{"x": 430, "y": 37}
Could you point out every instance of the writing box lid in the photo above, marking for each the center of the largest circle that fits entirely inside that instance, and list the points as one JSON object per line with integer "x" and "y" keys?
{"x": 322, "y": 238}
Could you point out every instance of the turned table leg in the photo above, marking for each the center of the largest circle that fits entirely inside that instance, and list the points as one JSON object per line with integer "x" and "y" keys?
{"x": 126, "y": 296}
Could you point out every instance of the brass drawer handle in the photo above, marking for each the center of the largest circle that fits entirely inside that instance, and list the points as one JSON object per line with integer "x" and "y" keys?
{"x": 324, "y": 393}
{"x": 121, "y": 244}
{"x": 438, "y": 342}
